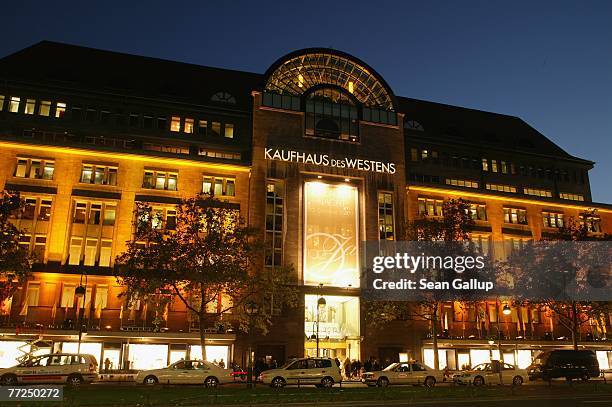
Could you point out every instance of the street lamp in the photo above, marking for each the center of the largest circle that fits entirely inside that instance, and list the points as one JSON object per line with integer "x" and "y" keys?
{"x": 80, "y": 292}
{"x": 506, "y": 310}
{"x": 252, "y": 309}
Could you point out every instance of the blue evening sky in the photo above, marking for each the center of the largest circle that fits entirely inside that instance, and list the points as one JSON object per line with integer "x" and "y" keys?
{"x": 548, "y": 62}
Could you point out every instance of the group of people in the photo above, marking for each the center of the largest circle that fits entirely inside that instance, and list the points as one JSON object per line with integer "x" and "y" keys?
{"x": 353, "y": 369}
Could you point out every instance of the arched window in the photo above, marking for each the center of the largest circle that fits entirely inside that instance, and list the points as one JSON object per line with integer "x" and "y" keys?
{"x": 223, "y": 97}
{"x": 413, "y": 125}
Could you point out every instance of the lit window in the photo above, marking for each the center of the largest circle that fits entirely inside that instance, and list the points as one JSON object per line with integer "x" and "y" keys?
{"x": 175, "y": 124}
{"x": 504, "y": 167}
{"x": 160, "y": 180}
{"x": 218, "y": 187}
{"x": 207, "y": 185}
{"x": 478, "y": 211}
{"x": 485, "y": 164}
{"x": 76, "y": 247}
{"x": 95, "y": 214}
{"x": 44, "y": 213}
{"x": 215, "y": 129}
{"x": 385, "y": 216}
{"x": 592, "y": 223}
{"x": 571, "y": 197}
{"x": 188, "y": 126}
{"x": 67, "y": 299}
{"x": 60, "y": 109}
{"x": 40, "y": 242}
{"x": 30, "y": 106}
{"x": 34, "y": 168}
{"x": 105, "y": 253}
{"x": 91, "y": 248}
{"x": 538, "y": 192}
{"x": 430, "y": 207}
{"x": 100, "y": 175}
{"x": 494, "y": 165}
{"x": 230, "y": 187}
{"x": 229, "y": 130}
{"x": 274, "y": 223}
{"x": 461, "y": 183}
{"x": 1, "y": 103}
{"x": 515, "y": 215}
{"x": 14, "y": 104}
{"x": 553, "y": 219}
{"x": 110, "y": 212}
{"x": 80, "y": 211}
{"x": 44, "y": 108}
{"x": 501, "y": 188}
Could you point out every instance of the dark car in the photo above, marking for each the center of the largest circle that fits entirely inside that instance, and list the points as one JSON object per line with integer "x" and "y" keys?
{"x": 570, "y": 364}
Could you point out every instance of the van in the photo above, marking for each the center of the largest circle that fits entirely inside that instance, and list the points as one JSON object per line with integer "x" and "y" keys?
{"x": 570, "y": 364}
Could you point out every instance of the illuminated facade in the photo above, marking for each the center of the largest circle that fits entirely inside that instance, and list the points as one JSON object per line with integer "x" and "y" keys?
{"x": 317, "y": 153}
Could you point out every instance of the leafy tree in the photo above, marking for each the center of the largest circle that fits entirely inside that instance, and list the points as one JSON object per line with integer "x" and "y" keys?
{"x": 544, "y": 270}
{"x": 450, "y": 232}
{"x": 209, "y": 254}
{"x": 15, "y": 261}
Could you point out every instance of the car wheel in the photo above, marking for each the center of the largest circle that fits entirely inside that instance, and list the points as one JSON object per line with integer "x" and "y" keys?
{"x": 278, "y": 382}
{"x": 75, "y": 380}
{"x": 430, "y": 381}
{"x": 382, "y": 382}
{"x": 211, "y": 381}
{"x": 478, "y": 381}
{"x": 150, "y": 380}
{"x": 517, "y": 381}
{"x": 327, "y": 382}
{"x": 9, "y": 380}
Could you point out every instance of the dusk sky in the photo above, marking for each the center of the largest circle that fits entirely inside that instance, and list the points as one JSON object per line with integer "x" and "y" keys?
{"x": 549, "y": 63}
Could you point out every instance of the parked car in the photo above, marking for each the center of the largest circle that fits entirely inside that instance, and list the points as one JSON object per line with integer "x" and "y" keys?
{"x": 70, "y": 368}
{"x": 488, "y": 373}
{"x": 570, "y": 364}
{"x": 403, "y": 373}
{"x": 322, "y": 372}
{"x": 187, "y": 372}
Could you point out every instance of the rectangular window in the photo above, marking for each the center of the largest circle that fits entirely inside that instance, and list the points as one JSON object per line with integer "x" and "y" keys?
{"x": 160, "y": 180}
{"x": 485, "y": 164}
{"x": 494, "y": 165}
{"x": 95, "y": 214}
{"x": 218, "y": 186}
{"x": 40, "y": 241}
{"x": 1, "y": 103}
{"x": 30, "y": 106}
{"x": 91, "y": 247}
{"x": 504, "y": 167}
{"x": 202, "y": 126}
{"x": 512, "y": 244}
{"x": 60, "y": 109}
{"x": 29, "y": 209}
{"x": 386, "y": 227}
{"x": 592, "y": 223}
{"x": 414, "y": 156}
{"x": 478, "y": 211}
{"x": 545, "y": 193}
{"x": 229, "y": 130}
{"x": 80, "y": 212}
{"x": 147, "y": 122}
{"x": 571, "y": 197}
{"x": 76, "y": 247}
{"x": 90, "y": 116}
{"x": 133, "y": 120}
{"x": 67, "y": 299}
{"x": 461, "y": 183}
{"x": 105, "y": 253}
{"x": 501, "y": 188}
{"x": 483, "y": 243}
{"x": 515, "y": 215}
{"x": 110, "y": 212}
{"x": 275, "y": 210}
{"x": 207, "y": 185}
{"x": 175, "y": 124}
{"x": 553, "y": 219}
{"x": 34, "y": 168}
{"x": 98, "y": 174}
{"x": 101, "y": 298}
{"x": 44, "y": 213}
{"x": 188, "y": 126}
{"x": 162, "y": 123}
{"x": 44, "y": 109}
{"x": 215, "y": 129}
{"x": 430, "y": 207}
{"x": 14, "y": 104}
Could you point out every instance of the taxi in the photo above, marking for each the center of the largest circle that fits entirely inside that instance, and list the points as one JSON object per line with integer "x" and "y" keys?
{"x": 489, "y": 373}
{"x": 187, "y": 372}
{"x": 403, "y": 373}
{"x": 71, "y": 368}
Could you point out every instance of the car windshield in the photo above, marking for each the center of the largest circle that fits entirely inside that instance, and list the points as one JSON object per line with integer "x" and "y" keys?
{"x": 482, "y": 366}
{"x": 390, "y": 367}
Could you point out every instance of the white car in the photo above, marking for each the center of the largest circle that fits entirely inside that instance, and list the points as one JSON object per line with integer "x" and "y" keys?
{"x": 70, "y": 368}
{"x": 186, "y": 372}
{"x": 322, "y": 372}
{"x": 485, "y": 374}
{"x": 403, "y": 373}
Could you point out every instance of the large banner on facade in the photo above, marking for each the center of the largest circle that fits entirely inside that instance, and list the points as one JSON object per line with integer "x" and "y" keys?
{"x": 331, "y": 234}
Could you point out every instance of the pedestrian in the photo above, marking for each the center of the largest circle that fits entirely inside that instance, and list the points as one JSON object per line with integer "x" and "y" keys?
{"x": 357, "y": 369}
{"x": 214, "y": 361}
{"x": 107, "y": 364}
{"x": 222, "y": 364}
{"x": 375, "y": 365}
{"x": 347, "y": 368}
{"x": 367, "y": 365}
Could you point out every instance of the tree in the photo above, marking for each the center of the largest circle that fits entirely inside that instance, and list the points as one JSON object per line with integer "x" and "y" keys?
{"x": 545, "y": 271}
{"x": 206, "y": 259}
{"x": 448, "y": 233}
{"x": 15, "y": 261}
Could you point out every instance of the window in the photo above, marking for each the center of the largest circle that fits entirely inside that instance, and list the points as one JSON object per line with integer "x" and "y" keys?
{"x": 483, "y": 243}
{"x": 160, "y": 218}
{"x": 110, "y": 213}
{"x": 74, "y": 255}
{"x": 515, "y": 215}
{"x": 134, "y": 120}
{"x": 44, "y": 213}
{"x": 553, "y": 219}
{"x": 91, "y": 248}
{"x": 571, "y": 197}
{"x": 430, "y": 207}
{"x": 223, "y": 97}
{"x": 228, "y": 130}
{"x": 376, "y": 115}
{"x": 512, "y": 244}
{"x": 29, "y": 209}
{"x": 501, "y": 188}
{"x": 80, "y": 212}
{"x": 36, "y": 208}
{"x": 218, "y": 186}
{"x": 275, "y": 209}
{"x": 591, "y": 222}
{"x": 94, "y": 213}
{"x": 413, "y": 125}
{"x": 414, "y": 154}
{"x": 215, "y": 129}
{"x": 385, "y": 216}
{"x": 160, "y": 180}
{"x": 101, "y": 298}
{"x": 1, "y": 103}
{"x": 60, "y": 109}
{"x": 332, "y": 114}
{"x": 90, "y": 116}
{"x": 494, "y": 165}
{"x": 44, "y": 109}
{"x": 104, "y": 116}
{"x": 98, "y": 174}
{"x": 219, "y": 154}
{"x": 188, "y": 126}
{"x": 461, "y": 183}
{"x": 67, "y": 299}
{"x": 30, "y": 106}
{"x": 485, "y": 164}
{"x": 175, "y": 124}
{"x": 545, "y": 193}
{"x": 35, "y": 245}
{"x": 202, "y": 126}
{"x": 478, "y": 211}
{"x": 105, "y": 253}
{"x": 14, "y": 104}
{"x": 34, "y": 168}
{"x": 147, "y": 122}
{"x": 162, "y": 123}
{"x": 504, "y": 167}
